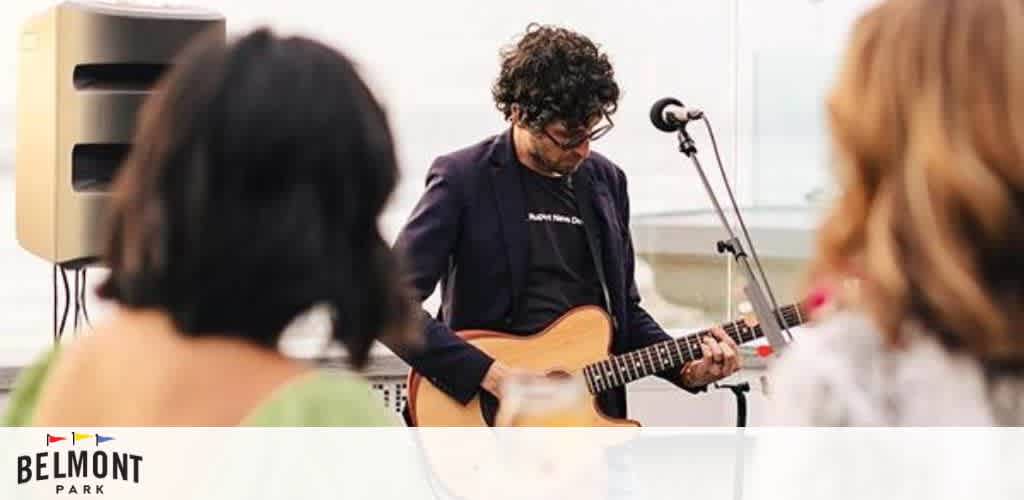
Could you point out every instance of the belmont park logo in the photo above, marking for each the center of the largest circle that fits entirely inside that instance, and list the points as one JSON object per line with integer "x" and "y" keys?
{"x": 78, "y": 464}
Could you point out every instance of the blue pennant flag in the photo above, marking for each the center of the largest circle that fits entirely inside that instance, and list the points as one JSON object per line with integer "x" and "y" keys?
{"x": 103, "y": 439}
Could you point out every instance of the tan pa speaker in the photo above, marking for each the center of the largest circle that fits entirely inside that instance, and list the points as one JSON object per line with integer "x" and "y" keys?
{"x": 84, "y": 68}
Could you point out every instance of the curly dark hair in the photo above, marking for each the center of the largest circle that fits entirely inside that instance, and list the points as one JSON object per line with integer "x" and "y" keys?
{"x": 554, "y": 74}
{"x": 252, "y": 194}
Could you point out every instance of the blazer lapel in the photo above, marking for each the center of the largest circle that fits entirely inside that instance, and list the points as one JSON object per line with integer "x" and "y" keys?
{"x": 592, "y": 222}
{"x": 506, "y": 177}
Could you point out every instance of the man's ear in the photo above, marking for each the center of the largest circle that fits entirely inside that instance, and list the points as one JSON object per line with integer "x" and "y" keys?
{"x": 516, "y": 114}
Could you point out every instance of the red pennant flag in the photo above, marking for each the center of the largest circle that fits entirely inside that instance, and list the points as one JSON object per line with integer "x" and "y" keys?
{"x": 53, "y": 439}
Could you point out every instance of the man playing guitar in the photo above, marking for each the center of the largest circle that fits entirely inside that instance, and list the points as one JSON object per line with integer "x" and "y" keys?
{"x": 524, "y": 226}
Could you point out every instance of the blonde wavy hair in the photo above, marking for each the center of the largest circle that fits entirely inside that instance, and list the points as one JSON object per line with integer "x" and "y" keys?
{"x": 927, "y": 119}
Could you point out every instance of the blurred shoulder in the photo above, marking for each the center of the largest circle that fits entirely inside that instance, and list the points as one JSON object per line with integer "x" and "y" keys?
{"x": 24, "y": 399}
{"x": 842, "y": 372}
{"x": 323, "y": 399}
{"x": 830, "y": 375}
{"x": 847, "y": 338}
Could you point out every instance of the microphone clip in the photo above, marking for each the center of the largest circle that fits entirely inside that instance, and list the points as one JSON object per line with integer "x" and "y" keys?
{"x": 669, "y": 115}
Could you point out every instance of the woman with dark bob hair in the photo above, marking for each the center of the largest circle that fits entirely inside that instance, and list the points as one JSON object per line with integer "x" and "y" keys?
{"x": 258, "y": 171}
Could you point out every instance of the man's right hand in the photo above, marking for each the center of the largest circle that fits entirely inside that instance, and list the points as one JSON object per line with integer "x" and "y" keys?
{"x": 495, "y": 377}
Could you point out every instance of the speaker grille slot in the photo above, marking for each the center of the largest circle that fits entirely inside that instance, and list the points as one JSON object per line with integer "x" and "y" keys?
{"x": 118, "y": 76}
{"x": 94, "y": 166}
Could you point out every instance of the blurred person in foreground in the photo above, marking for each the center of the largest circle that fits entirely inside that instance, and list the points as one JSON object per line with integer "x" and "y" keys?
{"x": 251, "y": 195}
{"x": 928, "y": 226}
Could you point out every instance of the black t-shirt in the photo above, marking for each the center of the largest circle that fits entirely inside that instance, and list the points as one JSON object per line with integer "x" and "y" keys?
{"x": 561, "y": 273}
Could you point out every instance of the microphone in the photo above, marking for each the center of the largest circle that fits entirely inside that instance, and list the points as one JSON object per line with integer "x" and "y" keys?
{"x": 669, "y": 114}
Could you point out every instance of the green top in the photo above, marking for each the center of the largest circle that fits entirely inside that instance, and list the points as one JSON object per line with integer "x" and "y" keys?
{"x": 321, "y": 399}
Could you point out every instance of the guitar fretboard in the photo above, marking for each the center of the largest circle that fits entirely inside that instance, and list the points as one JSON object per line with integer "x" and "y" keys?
{"x": 617, "y": 371}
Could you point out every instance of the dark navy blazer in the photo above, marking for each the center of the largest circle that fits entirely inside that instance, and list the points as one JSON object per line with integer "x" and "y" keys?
{"x": 469, "y": 231}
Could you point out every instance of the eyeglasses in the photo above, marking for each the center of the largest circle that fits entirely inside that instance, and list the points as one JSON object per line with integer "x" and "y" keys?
{"x": 575, "y": 142}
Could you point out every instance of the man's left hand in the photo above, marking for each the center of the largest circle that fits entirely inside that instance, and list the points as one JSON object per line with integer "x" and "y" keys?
{"x": 720, "y": 359}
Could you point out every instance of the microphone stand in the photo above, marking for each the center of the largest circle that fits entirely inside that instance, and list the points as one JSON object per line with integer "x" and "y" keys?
{"x": 739, "y": 391}
{"x": 767, "y": 317}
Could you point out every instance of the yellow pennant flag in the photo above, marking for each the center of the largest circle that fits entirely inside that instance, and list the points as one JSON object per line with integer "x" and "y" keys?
{"x": 80, "y": 437}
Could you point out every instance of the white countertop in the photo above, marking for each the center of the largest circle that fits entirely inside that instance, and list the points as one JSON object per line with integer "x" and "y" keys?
{"x": 778, "y": 232}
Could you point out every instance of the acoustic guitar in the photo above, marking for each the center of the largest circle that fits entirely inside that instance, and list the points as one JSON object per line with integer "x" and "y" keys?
{"x": 577, "y": 345}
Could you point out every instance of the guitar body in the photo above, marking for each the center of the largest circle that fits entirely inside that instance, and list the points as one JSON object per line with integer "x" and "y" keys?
{"x": 580, "y": 337}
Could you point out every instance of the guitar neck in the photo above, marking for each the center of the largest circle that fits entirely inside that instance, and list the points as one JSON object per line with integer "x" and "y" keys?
{"x": 617, "y": 371}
